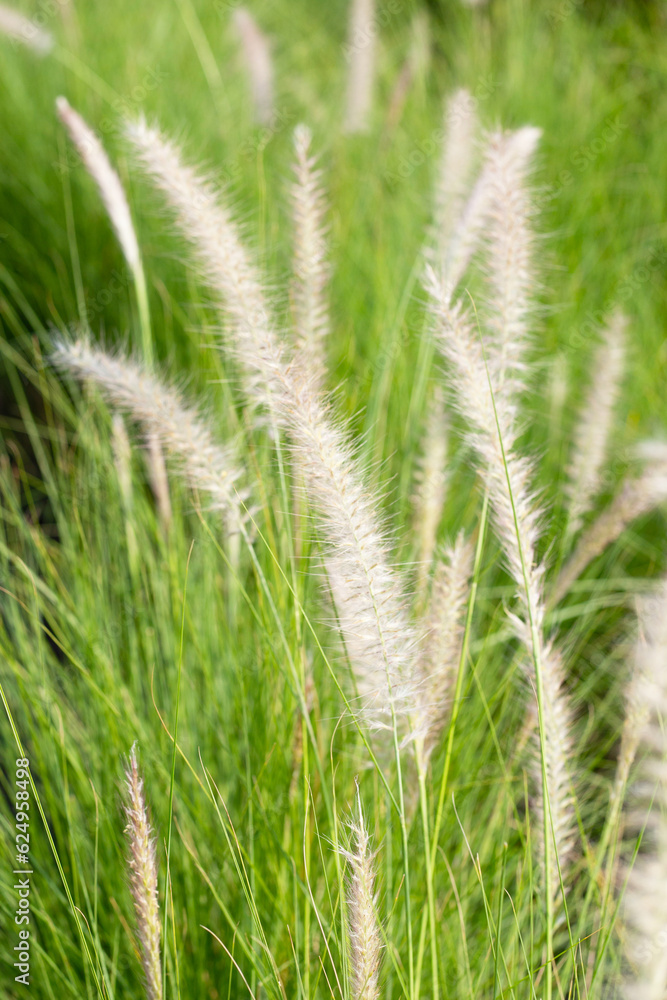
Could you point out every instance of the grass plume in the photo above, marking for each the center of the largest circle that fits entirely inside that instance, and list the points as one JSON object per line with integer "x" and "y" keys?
{"x": 310, "y": 267}
{"x": 142, "y": 862}
{"x": 208, "y": 467}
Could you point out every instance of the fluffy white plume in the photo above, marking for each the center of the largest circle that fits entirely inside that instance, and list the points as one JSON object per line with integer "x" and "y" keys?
{"x": 509, "y": 251}
{"x": 108, "y": 182}
{"x": 367, "y": 591}
{"x": 311, "y": 268}
{"x": 143, "y": 877}
{"x": 21, "y": 29}
{"x": 441, "y": 650}
{"x": 455, "y": 169}
{"x": 226, "y": 266}
{"x": 505, "y": 152}
{"x": 645, "y": 901}
{"x": 595, "y": 421}
{"x": 364, "y": 939}
{"x": 207, "y": 466}
{"x": 360, "y": 53}
{"x": 431, "y": 485}
{"x": 259, "y": 64}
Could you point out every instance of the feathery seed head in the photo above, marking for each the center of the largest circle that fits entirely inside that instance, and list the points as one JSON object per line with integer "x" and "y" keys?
{"x": 455, "y": 167}
{"x": 21, "y": 29}
{"x": 595, "y": 421}
{"x": 360, "y": 54}
{"x": 259, "y": 64}
{"x": 99, "y": 167}
{"x": 509, "y": 252}
{"x": 143, "y": 877}
{"x": 431, "y": 484}
{"x": 505, "y": 161}
{"x": 225, "y": 264}
{"x": 311, "y": 269}
{"x": 365, "y": 942}
{"x": 159, "y": 408}
{"x": 645, "y": 900}
{"x": 441, "y": 650}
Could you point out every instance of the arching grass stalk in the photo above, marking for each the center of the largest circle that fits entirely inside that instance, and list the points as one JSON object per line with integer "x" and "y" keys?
{"x": 173, "y": 772}
{"x": 535, "y": 649}
{"x": 141, "y": 292}
{"x": 430, "y": 870}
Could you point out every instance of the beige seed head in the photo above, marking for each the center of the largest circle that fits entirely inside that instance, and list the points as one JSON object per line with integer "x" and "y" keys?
{"x": 258, "y": 62}
{"x": 21, "y": 29}
{"x": 143, "y": 877}
{"x": 360, "y": 54}
{"x": 364, "y": 939}
{"x": 99, "y": 167}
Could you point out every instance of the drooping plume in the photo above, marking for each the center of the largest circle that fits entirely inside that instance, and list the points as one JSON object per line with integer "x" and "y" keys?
{"x": 367, "y": 591}
{"x": 364, "y": 939}
{"x": 142, "y": 862}
{"x": 645, "y": 900}
{"x": 258, "y": 62}
{"x": 208, "y": 467}
{"x": 311, "y": 267}
{"x": 108, "y": 182}
{"x": 21, "y": 29}
{"x": 360, "y": 56}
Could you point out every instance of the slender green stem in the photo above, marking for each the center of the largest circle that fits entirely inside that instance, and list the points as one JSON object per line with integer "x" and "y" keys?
{"x": 430, "y": 869}
{"x": 144, "y": 313}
